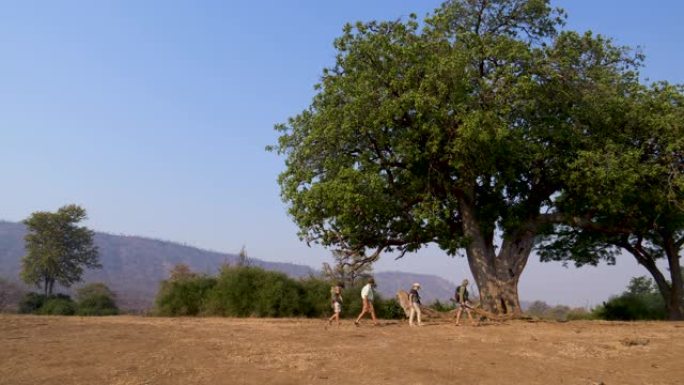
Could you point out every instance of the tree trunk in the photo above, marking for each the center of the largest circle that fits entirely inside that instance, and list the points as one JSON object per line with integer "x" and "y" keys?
{"x": 675, "y": 305}
{"x": 671, "y": 293}
{"x": 671, "y": 296}
{"x": 496, "y": 276}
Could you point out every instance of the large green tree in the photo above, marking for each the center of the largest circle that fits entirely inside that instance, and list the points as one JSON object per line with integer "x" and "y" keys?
{"x": 57, "y": 248}
{"x": 454, "y": 130}
{"x": 625, "y": 193}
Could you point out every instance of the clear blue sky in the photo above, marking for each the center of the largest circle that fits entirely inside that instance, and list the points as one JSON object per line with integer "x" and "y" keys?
{"x": 154, "y": 115}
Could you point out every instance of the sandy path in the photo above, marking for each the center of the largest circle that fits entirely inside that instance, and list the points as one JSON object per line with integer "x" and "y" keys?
{"x": 138, "y": 350}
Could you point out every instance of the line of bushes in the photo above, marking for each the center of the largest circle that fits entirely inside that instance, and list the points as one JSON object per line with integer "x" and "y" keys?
{"x": 247, "y": 291}
{"x": 91, "y": 300}
{"x": 640, "y": 301}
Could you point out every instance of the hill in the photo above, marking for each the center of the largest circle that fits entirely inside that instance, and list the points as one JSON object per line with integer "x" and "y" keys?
{"x": 133, "y": 266}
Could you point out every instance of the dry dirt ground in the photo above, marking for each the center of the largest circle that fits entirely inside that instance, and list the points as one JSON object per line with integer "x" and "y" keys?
{"x": 148, "y": 350}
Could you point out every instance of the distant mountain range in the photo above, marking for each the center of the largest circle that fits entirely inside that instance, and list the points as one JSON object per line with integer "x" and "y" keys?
{"x": 133, "y": 266}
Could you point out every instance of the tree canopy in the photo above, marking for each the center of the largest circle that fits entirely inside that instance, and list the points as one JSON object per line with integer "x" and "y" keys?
{"x": 57, "y": 248}
{"x": 456, "y": 130}
{"x": 626, "y": 191}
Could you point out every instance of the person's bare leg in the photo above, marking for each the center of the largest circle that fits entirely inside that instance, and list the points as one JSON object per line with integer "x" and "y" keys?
{"x": 420, "y": 321}
{"x": 364, "y": 308}
{"x": 411, "y": 313}
{"x": 363, "y": 311}
{"x": 458, "y": 315}
{"x": 470, "y": 316}
{"x": 372, "y": 312}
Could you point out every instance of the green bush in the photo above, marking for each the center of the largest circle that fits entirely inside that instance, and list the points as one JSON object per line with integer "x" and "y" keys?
{"x": 640, "y": 301}
{"x": 352, "y": 302}
{"x": 246, "y": 291}
{"x": 183, "y": 297}
{"x": 96, "y": 299}
{"x": 59, "y": 304}
{"x": 442, "y": 307}
{"x": 389, "y": 309}
{"x": 317, "y": 297}
{"x": 632, "y": 308}
{"x": 31, "y": 303}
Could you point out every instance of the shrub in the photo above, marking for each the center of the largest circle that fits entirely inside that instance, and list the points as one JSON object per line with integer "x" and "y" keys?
{"x": 640, "y": 301}
{"x": 183, "y": 297}
{"x": 31, "y": 303}
{"x": 317, "y": 297}
{"x": 389, "y": 309}
{"x": 442, "y": 307}
{"x": 632, "y": 308}
{"x": 59, "y": 304}
{"x": 245, "y": 291}
{"x": 96, "y": 299}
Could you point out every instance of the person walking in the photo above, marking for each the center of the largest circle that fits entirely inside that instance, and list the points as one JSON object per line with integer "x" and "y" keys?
{"x": 414, "y": 298}
{"x": 462, "y": 302}
{"x": 336, "y": 299}
{"x": 367, "y": 300}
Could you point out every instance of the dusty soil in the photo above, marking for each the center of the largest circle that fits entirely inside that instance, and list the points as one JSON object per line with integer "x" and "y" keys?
{"x": 147, "y": 350}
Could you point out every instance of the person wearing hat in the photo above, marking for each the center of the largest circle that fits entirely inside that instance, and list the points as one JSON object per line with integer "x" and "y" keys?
{"x": 414, "y": 298}
{"x": 462, "y": 302}
{"x": 367, "y": 299}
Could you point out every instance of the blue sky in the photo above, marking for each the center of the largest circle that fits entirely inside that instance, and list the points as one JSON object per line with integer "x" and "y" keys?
{"x": 154, "y": 116}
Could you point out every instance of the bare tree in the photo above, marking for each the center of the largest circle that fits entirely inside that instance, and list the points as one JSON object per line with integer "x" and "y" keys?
{"x": 349, "y": 267}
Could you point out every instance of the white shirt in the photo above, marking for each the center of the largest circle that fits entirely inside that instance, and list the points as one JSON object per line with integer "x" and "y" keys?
{"x": 367, "y": 292}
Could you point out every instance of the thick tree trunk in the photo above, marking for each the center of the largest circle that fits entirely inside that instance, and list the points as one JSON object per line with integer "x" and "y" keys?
{"x": 496, "y": 275}
{"x": 49, "y": 283}
{"x": 671, "y": 292}
{"x": 675, "y": 305}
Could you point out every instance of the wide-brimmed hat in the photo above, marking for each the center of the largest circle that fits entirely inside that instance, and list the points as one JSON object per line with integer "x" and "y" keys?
{"x": 416, "y": 284}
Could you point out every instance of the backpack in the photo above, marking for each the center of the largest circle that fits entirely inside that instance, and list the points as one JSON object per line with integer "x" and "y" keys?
{"x": 465, "y": 295}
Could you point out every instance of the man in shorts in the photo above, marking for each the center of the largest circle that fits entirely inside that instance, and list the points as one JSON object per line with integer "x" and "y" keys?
{"x": 367, "y": 300}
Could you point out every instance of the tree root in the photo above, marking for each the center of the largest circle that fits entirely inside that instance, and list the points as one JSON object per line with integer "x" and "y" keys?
{"x": 403, "y": 299}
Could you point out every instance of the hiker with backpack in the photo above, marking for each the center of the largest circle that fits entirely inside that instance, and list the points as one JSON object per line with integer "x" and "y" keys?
{"x": 367, "y": 300}
{"x": 461, "y": 297}
{"x": 336, "y": 299}
{"x": 414, "y": 298}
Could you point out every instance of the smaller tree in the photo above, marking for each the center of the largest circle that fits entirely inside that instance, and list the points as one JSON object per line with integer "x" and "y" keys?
{"x": 243, "y": 258}
{"x": 538, "y": 309}
{"x": 349, "y": 267}
{"x": 57, "y": 248}
{"x": 180, "y": 272}
{"x": 96, "y": 299}
{"x": 640, "y": 301}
